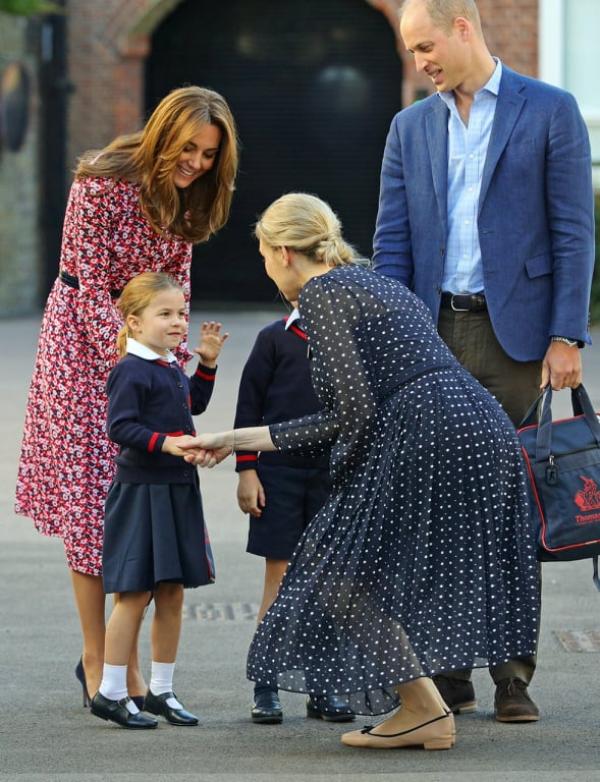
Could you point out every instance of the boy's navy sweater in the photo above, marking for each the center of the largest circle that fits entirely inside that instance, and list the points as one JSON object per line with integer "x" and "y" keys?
{"x": 148, "y": 400}
{"x": 275, "y": 387}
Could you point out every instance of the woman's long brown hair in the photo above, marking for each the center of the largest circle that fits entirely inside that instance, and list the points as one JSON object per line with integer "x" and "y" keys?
{"x": 149, "y": 157}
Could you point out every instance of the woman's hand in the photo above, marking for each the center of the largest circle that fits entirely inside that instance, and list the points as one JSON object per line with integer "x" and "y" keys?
{"x": 211, "y": 342}
{"x": 250, "y": 493}
{"x": 207, "y": 450}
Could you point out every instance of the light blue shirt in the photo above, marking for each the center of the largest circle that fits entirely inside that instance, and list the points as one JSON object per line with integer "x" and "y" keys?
{"x": 467, "y": 150}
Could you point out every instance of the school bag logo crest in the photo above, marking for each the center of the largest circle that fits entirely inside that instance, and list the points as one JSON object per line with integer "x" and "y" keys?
{"x": 588, "y": 499}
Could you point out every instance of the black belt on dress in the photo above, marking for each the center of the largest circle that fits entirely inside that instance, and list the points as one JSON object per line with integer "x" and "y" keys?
{"x": 464, "y": 302}
{"x": 73, "y": 282}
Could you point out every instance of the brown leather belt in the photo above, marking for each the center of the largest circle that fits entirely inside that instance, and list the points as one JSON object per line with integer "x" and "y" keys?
{"x": 464, "y": 302}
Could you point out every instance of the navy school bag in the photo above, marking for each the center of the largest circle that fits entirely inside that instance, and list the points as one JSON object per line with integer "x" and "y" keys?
{"x": 563, "y": 467}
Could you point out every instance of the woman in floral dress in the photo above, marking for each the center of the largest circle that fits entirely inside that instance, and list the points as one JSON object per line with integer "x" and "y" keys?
{"x": 138, "y": 205}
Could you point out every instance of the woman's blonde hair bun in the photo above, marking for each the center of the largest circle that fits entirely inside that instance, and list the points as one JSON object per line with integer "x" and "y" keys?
{"x": 305, "y": 223}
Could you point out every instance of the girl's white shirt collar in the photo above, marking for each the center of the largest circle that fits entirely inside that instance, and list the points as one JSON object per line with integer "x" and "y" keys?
{"x": 141, "y": 351}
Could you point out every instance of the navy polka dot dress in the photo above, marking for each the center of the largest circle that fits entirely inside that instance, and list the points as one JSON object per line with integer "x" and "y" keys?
{"x": 422, "y": 559}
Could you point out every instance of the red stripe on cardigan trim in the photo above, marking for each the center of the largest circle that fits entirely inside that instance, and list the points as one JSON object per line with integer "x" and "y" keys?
{"x": 205, "y": 375}
{"x": 152, "y": 441}
{"x": 248, "y": 458}
{"x": 299, "y": 332}
{"x": 156, "y": 435}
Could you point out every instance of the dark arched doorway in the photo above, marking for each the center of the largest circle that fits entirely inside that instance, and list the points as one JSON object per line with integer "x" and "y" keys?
{"x": 313, "y": 87}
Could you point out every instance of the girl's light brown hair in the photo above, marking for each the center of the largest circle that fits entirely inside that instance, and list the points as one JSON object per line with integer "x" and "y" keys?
{"x": 149, "y": 157}
{"x": 305, "y": 223}
{"x": 137, "y": 295}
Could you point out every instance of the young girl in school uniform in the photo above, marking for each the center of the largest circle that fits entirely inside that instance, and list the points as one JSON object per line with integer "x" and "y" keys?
{"x": 155, "y": 539}
{"x": 281, "y": 492}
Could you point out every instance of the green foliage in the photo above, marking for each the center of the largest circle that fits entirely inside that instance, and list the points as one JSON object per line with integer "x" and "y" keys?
{"x": 595, "y": 301}
{"x": 29, "y": 7}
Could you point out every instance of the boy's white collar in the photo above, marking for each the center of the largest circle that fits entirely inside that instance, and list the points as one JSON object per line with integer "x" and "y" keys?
{"x": 141, "y": 351}
{"x": 293, "y": 317}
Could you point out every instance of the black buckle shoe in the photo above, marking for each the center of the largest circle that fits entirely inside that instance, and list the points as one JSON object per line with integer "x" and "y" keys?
{"x": 157, "y": 704}
{"x": 458, "y": 694}
{"x": 331, "y": 708}
{"x": 267, "y": 708}
{"x": 117, "y": 711}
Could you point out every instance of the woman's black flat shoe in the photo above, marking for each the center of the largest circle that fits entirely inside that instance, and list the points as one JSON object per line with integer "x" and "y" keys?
{"x": 139, "y": 701}
{"x": 331, "y": 708}
{"x": 157, "y": 704}
{"x": 80, "y": 674}
{"x": 117, "y": 711}
{"x": 267, "y": 708}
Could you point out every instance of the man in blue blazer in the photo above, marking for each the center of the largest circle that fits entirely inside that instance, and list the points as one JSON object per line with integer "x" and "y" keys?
{"x": 486, "y": 213}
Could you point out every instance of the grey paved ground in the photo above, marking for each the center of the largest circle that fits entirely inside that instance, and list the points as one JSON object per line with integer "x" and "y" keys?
{"x": 45, "y": 734}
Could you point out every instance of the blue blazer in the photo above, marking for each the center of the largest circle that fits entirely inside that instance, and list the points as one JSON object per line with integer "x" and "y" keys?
{"x": 535, "y": 220}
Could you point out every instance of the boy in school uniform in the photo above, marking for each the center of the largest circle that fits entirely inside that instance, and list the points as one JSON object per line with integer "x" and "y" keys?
{"x": 281, "y": 492}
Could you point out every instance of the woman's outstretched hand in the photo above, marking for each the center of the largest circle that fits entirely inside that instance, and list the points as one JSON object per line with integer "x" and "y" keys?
{"x": 208, "y": 450}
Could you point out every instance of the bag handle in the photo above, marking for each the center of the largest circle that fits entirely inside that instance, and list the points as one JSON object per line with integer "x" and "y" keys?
{"x": 531, "y": 416}
{"x": 581, "y": 404}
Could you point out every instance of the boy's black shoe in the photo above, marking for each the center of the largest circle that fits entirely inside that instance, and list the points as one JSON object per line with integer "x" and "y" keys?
{"x": 331, "y": 708}
{"x": 267, "y": 706}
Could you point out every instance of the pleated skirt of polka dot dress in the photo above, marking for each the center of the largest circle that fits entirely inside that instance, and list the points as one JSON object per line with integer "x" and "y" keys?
{"x": 421, "y": 561}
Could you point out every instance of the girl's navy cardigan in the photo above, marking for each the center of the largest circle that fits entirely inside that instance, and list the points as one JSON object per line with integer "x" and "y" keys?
{"x": 148, "y": 400}
{"x": 276, "y": 386}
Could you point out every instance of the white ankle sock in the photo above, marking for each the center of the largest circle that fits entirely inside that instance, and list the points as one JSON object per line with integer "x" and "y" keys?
{"x": 114, "y": 685}
{"x": 161, "y": 681}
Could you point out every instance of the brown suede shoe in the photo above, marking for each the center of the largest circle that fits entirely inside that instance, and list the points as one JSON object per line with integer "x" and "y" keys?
{"x": 512, "y": 702}
{"x": 458, "y": 694}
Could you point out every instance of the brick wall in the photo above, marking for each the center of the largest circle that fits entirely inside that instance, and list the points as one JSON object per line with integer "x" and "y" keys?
{"x": 108, "y": 42}
{"x": 511, "y": 30}
{"x": 19, "y": 261}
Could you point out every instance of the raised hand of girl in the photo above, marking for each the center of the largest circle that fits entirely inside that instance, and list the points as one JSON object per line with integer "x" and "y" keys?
{"x": 211, "y": 342}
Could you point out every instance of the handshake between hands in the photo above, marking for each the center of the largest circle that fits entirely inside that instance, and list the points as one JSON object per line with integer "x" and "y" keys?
{"x": 205, "y": 450}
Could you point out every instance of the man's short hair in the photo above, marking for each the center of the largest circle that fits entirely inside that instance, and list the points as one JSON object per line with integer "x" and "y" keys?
{"x": 443, "y": 12}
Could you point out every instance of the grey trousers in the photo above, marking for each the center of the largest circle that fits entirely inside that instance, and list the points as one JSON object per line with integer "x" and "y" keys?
{"x": 515, "y": 384}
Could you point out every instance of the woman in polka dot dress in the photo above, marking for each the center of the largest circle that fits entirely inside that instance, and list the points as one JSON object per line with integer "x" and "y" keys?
{"x": 137, "y": 206}
{"x": 421, "y": 561}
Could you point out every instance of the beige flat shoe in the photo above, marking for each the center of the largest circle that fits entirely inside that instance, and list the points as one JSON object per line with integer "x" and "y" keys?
{"x": 438, "y": 733}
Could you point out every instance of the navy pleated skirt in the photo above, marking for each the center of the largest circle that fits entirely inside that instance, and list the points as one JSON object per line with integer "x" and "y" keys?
{"x": 154, "y": 533}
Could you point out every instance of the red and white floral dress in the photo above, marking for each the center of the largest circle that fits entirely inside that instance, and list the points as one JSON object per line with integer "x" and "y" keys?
{"x": 66, "y": 464}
